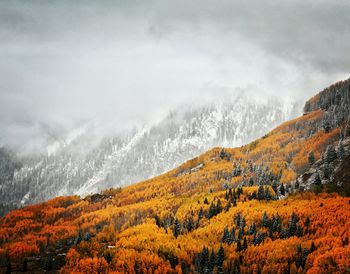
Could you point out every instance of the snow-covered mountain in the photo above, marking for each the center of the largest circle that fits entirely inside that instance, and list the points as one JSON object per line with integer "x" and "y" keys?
{"x": 77, "y": 165}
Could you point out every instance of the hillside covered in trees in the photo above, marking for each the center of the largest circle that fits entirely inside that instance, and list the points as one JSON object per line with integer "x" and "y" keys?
{"x": 277, "y": 205}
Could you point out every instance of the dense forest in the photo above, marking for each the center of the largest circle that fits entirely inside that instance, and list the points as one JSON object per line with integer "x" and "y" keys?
{"x": 277, "y": 205}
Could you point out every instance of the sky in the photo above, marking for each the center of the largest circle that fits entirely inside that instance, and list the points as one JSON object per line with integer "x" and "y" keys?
{"x": 64, "y": 63}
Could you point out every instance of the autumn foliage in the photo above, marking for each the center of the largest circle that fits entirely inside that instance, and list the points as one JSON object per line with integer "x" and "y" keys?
{"x": 224, "y": 211}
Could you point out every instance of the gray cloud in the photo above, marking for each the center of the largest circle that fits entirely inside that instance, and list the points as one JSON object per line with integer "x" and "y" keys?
{"x": 66, "y": 62}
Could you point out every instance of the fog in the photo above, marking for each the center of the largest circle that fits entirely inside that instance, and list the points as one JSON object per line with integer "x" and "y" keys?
{"x": 66, "y": 63}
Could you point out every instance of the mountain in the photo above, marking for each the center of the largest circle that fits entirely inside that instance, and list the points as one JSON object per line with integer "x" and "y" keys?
{"x": 79, "y": 165}
{"x": 271, "y": 206}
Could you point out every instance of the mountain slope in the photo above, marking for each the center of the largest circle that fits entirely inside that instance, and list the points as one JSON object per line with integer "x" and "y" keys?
{"x": 75, "y": 166}
{"x": 240, "y": 210}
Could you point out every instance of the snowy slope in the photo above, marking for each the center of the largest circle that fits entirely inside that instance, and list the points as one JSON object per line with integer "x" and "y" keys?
{"x": 74, "y": 166}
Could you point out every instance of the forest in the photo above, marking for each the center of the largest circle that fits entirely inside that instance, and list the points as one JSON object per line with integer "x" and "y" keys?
{"x": 277, "y": 205}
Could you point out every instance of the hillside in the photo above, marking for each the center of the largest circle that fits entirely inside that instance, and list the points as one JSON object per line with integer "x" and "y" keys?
{"x": 78, "y": 164}
{"x": 271, "y": 206}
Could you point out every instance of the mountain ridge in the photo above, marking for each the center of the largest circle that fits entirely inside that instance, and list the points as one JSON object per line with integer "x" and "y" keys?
{"x": 147, "y": 152}
{"x": 230, "y": 210}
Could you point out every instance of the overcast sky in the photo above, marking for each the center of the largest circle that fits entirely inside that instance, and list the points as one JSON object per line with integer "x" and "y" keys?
{"x": 65, "y": 62}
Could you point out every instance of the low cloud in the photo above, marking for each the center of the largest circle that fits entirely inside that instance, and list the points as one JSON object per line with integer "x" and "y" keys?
{"x": 64, "y": 63}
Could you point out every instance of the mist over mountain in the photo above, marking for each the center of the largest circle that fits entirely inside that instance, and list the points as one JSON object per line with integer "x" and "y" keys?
{"x": 85, "y": 161}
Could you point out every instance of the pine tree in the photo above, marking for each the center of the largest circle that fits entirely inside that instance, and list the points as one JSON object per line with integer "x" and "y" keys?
{"x": 239, "y": 246}
{"x": 261, "y": 193}
{"x": 220, "y": 259}
{"x": 265, "y": 222}
{"x": 317, "y": 180}
{"x": 307, "y": 221}
{"x": 232, "y": 236}
{"x": 275, "y": 186}
{"x": 245, "y": 244}
{"x": 190, "y": 224}
{"x": 212, "y": 260}
{"x": 299, "y": 255}
{"x": 252, "y": 229}
{"x": 327, "y": 170}
{"x": 226, "y": 235}
{"x": 276, "y": 224}
{"x": 326, "y": 125}
{"x": 228, "y": 206}
{"x": 312, "y": 247}
{"x": 48, "y": 264}
{"x": 267, "y": 194}
{"x": 292, "y": 224}
{"x": 200, "y": 213}
{"x": 158, "y": 221}
{"x": 211, "y": 211}
{"x": 311, "y": 158}
{"x": 218, "y": 207}
{"x": 202, "y": 261}
{"x": 304, "y": 257}
{"x": 341, "y": 151}
{"x": 25, "y": 265}
{"x": 177, "y": 228}
{"x": 227, "y": 196}
{"x": 258, "y": 238}
{"x": 331, "y": 154}
{"x": 282, "y": 190}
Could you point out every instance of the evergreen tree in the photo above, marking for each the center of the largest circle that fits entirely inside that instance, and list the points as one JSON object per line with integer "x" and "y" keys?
{"x": 25, "y": 265}
{"x": 327, "y": 170}
{"x": 252, "y": 229}
{"x": 311, "y": 158}
{"x": 239, "y": 246}
{"x": 258, "y": 238}
{"x": 331, "y": 154}
{"x": 292, "y": 224}
{"x": 267, "y": 194}
{"x": 275, "y": 186}
{"x": 9, "y": 266}
{"x": 226, "y": 235}
{"x": 190, "y": 224}
{"x": 341, "y": 151}
{"x": 307, "y": 222}
{"x": 158, "y": 221}
{"x": 312, "y": 247}
{"x": 228, "y": 206}
{"x": 220, "y": 259}
{"x": 276, "y": 224}
{"x": 177, "y": 228}
{"x": 299, "y": 259}
{"x": 232, "y": 236}
{"x": 48, "y": 264}
{"x": 200, "y": 213}
{"x": 265, "y": 222}
{"x": 317, "y": 179}
{"x": 304, "y": 255}
{"x": 234, "y": 202}
{"x": 227, "y": 196}
{"x": 245, "y": 244}
{"x": 326, "y": 125}
{"x": 218, "y": 207}
{"x": 212, "y": 210}
{"x": 202, "y": 261}
{"x": 282, "y": 190}
{"x": 212, "y": 261}
{"x": 261, "y": 193}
